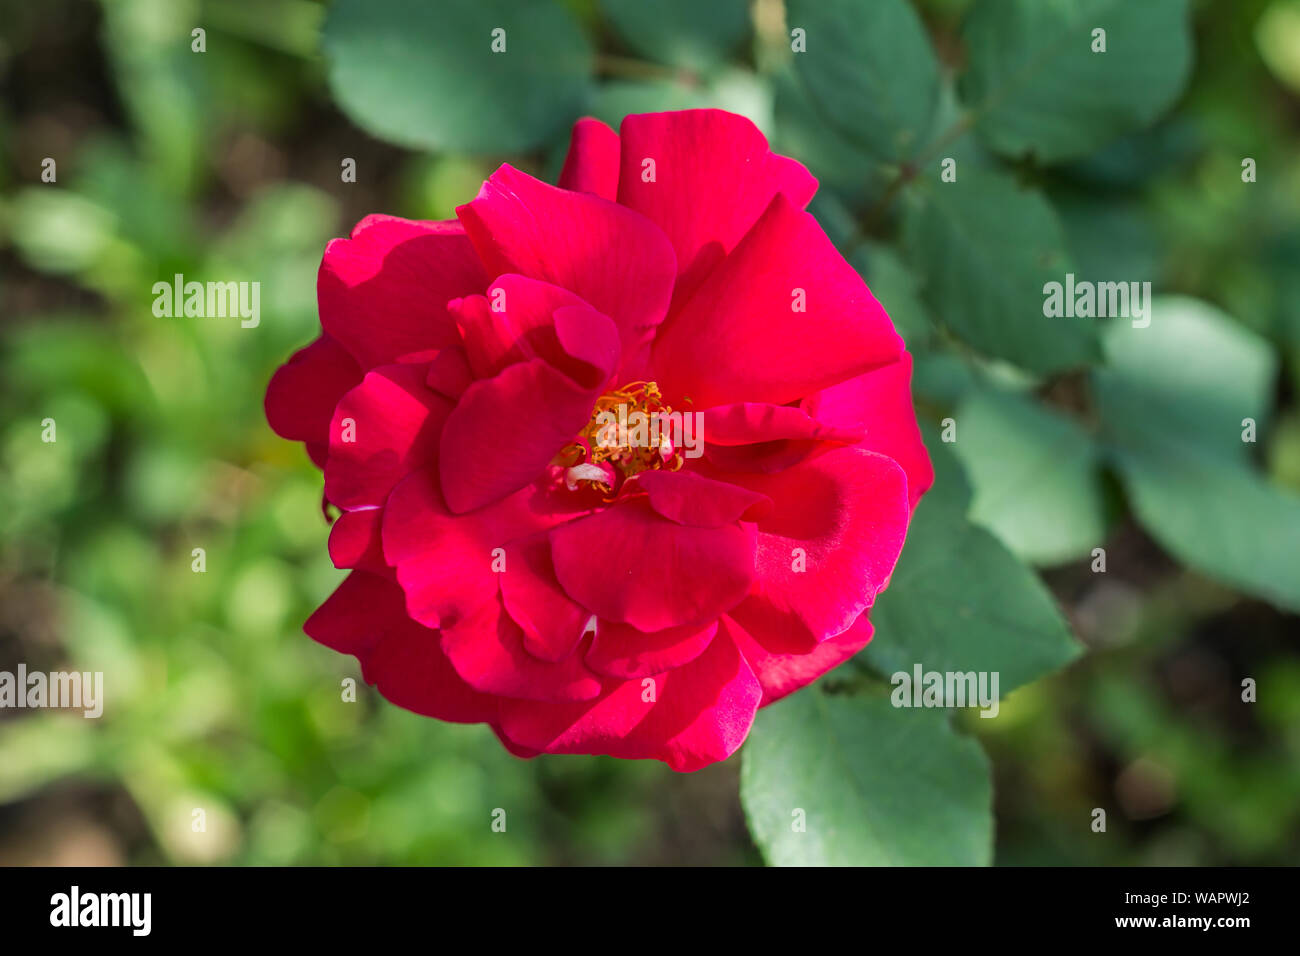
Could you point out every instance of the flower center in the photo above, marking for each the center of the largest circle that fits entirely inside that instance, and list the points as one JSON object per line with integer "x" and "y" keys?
{"x": 630, "y": 431}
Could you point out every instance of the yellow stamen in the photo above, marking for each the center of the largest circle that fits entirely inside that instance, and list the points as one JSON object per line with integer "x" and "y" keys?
{"x": 605, "y": 444}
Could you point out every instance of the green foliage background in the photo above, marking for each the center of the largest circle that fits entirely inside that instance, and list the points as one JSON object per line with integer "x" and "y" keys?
{"x": 1121, "y": 690}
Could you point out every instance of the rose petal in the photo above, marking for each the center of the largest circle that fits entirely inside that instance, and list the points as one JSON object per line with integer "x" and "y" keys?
{"x": 713, "y": 177}
{"x": 616, "y": 260}
{"x": 487, "y": 649}
{"x": 445, "y": 562}
{"x": 631, "y": 565}
{"x": 692, "y": 499}
{"x": 449, "y": 373}
{"x": 880, "y": 403}
{"x": 404, "y": 661}
{"x": 592, "y": 163}
{"x": 689, "y": 718}
{"x": 783, "y": 664}
{"x": 590, "y": 345}
{"x": 345, "y": 621}
{"x": 552, "y": 623}
{"x": 303, "y": 392}
{"x": 383, "y": 293}
{"x": 521, "y": 319}
{"x": 748, "y": 423}
{"x": 621, "y": 651}
{"x": 511, "y": 323}
{"x": 842, "y": 516}
{"x": 383, "y": 430}
{"x": 739, "y": 338}
{"x": 753, "y": 436}
{"x": 505, "y": 430}
{"x": 355, "y": 540}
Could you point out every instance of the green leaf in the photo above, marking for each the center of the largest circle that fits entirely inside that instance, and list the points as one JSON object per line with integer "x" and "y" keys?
{"x": 424, "y": 74}
{"x": 942, "y": 377}
{"x": 40, "y": 750}
{"x": 870, "y": 69}
{"x": 1036, "y": 476}
{"x": 685, "y": 33}
{"x": 58, "y": 231}
{"x": 1034, "y": 84}
{"x": 837, "y": 162}
{"x": 167, "y": 91}
{"x": 877, "y": 785}
{"x": 732, "y": 89}
{"x": 984, "y": 248}
{"x": 1217, "y": 517}
{"x": 960, "y": 601}
{"x": 1172, "y": 403}
{"x": 837, "y": 220}
{"x": 894, "y": 287}
{"x": 1189, "y": 378}
{"x": 950, "y": 490}
{"x": 1110, "y": 239}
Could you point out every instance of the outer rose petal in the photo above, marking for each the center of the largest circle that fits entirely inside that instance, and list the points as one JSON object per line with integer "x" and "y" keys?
{"x": 631, "y": 565}
{"x": 383, "y": 293}
{"x": 880, "y": 403}
{"x": 444, "y": 561}
{"x": 847, "y": 510}
{"x": 738, "y": 338}
{"x": 355, "y": 540}
{"x": 618, "y": 261}
{"x": 396, "y": 421}
{"x": 700, "y": 714}
{"x": 525, "y": 753}
{"x": 487, "y": 650}
{"x": 783, "y": 664}
{"x": 592, "y": 163}
{"x": 301, "y": 396}
{"x": 714, "y": 176}
{"x": 365, "y": 618}
{"x": 346, "y": 621}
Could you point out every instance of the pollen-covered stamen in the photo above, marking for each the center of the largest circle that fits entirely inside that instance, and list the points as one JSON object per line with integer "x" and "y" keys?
{"x": 601, "y": 475}
{"x": 630, "y": 431}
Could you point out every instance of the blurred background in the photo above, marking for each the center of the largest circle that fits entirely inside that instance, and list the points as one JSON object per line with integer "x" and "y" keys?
{"x": 226, "y": 165}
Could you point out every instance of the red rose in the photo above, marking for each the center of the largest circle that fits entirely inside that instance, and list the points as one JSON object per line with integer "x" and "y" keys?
{"x": 520, "y": 559}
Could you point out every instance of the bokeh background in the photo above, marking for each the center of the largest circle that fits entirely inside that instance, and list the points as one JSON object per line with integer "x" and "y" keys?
{"x": 226, "y": 165}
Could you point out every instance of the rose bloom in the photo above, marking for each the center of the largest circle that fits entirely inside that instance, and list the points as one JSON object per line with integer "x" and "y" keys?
{"x": 517, "y": 563}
